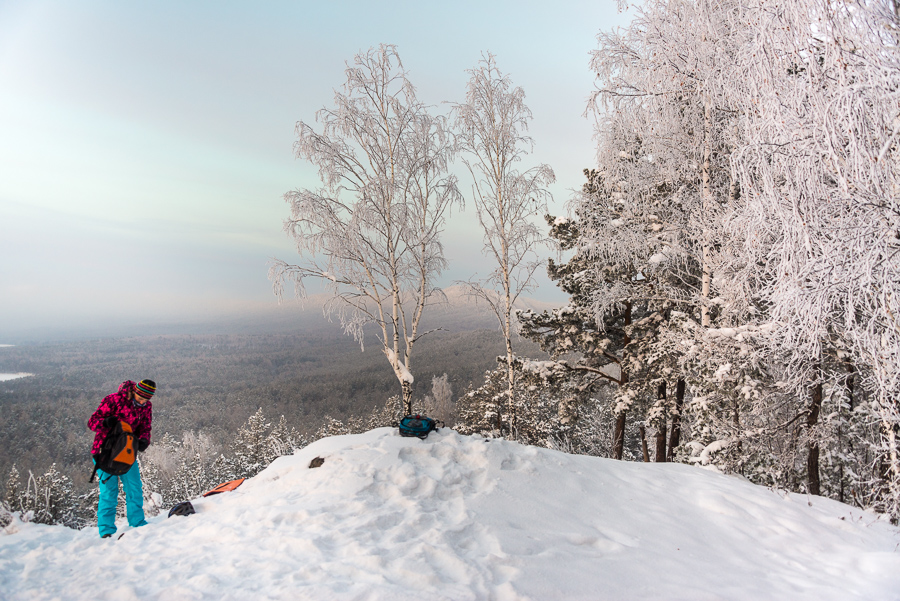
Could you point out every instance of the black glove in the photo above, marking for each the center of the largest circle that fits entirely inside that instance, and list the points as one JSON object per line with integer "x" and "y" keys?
{"x": 143, "y": 443}
{"x": 109, "y": 421}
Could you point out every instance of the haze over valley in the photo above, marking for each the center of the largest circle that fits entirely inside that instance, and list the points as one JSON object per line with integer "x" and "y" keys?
{"x": 214, "y": 375}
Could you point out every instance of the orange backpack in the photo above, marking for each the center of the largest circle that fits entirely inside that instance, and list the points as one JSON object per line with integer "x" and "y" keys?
{"x": 117, "y": 453}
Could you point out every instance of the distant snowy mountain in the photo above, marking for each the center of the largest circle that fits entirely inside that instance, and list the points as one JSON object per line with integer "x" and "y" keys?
{"x": 457, "y": 518}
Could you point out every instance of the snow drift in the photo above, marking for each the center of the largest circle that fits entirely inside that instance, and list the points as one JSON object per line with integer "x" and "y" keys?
{"x": 470, "y": 518}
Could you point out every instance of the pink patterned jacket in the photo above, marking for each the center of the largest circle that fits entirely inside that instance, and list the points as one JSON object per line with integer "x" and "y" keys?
{"x": 137, "y": 416}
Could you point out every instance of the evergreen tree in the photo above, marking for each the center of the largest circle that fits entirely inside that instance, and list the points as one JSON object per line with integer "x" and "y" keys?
{"x": 547, "y": 403}
{"x": 388, "y": 415}
{"x": 333, "y": 427}
{"x": 191, "y": 479}
{"x": 657, "y": 225}
{"x": 45, "y": 499}
{"x": 250, "y": 450}
{"x": 283, "y": 440}
{"x": 591, "y": 340}
{"x": 13, "y": 499}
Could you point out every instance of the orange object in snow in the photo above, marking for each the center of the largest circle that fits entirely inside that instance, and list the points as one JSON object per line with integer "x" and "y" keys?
{"x": 224, "y": 487}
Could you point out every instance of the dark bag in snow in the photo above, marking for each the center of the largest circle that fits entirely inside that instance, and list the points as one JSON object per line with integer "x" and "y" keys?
{"x": 417, "y": 425}
{"x": 183, "y": 508}
{"x": 117, "y": 453}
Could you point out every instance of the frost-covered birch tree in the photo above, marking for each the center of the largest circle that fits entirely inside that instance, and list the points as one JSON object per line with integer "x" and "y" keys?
{"x": 818, "y": 85}
{"x": 788, "y": 226}
{"x": 371, "y": 234}
{"x": 491, "y": 126}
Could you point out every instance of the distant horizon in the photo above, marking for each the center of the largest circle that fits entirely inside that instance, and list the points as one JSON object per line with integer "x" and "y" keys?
{"x": 302, "y": 313}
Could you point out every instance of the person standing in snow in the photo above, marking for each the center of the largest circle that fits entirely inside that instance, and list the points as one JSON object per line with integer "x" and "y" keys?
{"x": 131, "y": 404}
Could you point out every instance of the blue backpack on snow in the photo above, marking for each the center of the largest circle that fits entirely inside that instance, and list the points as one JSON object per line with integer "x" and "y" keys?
{"x": 417, "y": 425}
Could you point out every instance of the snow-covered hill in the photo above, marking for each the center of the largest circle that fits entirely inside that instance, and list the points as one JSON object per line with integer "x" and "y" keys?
{"x": 457, "y": 517}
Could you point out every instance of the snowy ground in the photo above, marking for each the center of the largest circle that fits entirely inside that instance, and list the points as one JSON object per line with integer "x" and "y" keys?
{"x": 456, "y": 517}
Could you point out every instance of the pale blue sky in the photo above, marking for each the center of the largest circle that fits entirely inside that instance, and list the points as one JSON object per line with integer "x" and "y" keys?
{"x": 145, "y": 147}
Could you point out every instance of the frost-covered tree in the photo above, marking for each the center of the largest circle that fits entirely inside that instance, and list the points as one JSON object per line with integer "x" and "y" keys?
{"x": 46, "y": 499}
{"x": 548, "y": 406}
{"x": 738, "y": 413}
{"x": 177, "y": 470}
{"x": 380, "y": 417}
{"x": 663, "y": 132}
{"x": 667, "y": 131}
{"x": 371, "y": 235}
{"x": 283, "y": 440}
{"x": 592, "y": 353}
{"x": 12, "y": 497}
{"x": 158, "y": 465}
{"x": 652, "y": 228}
{"x": 332, "y": 427}
{"x": 440, "y": 404}
{"x": 588, "y": 354}
{"x": 817, "y": 90}
{"x": 491, "y": 131}
{"x": 250, "y": 449}
{"x": 775, "y": 125}
{"x": 50, "y": 498}
{"x": 190, "y": 479}
{"x": 535, "y": 404}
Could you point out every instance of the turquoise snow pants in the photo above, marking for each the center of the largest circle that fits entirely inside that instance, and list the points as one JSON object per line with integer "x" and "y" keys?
{"x": 109, "y": 498}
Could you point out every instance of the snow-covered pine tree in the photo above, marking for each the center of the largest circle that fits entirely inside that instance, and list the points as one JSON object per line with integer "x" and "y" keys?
{"x": 535, "y": 404}
{"x": 174, "y": 471}
{"x": 665, "y": 136}
{"x": 738, "y": 414}
{"x": 332, "y": 427}
{"x": 13, "y": 493}
{"x": 250, "y": 450}
{"x": 388, "y": 415}
{"x": 189, "y": 480}
{"x": 588, "y": 353}
{"x": 547, "y": 403}
{"x": 52, "y": 499}
{"x": 283, "y": 440}
{"x": 47, "y": 499}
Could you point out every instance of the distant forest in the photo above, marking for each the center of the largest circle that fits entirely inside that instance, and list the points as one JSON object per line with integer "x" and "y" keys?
{"x": 212, "y": 383}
